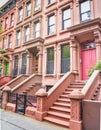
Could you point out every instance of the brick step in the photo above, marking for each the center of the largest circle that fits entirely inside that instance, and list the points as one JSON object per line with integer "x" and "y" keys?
{"x": 58, "y": 108}
{"x": 67, "y": 92}
{"x": 64, "y": 96}
{"x": 62, "y": 104}
{"x": 57, "y": 121}
{"x": 63, "y": 99}
{"x": 59, "y": 114}
{"x": 78, "y": 83}
{"x": 70, "y": 88}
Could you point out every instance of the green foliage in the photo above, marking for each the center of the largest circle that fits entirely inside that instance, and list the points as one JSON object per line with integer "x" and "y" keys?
{"x": 4, "y": 58}
{"x": 3, "y": 50}
{"x": 95, "y": 67}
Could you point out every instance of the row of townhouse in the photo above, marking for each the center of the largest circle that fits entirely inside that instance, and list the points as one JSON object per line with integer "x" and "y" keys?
{"x": 51, "y": 37}
{"x": 52, "y": 44}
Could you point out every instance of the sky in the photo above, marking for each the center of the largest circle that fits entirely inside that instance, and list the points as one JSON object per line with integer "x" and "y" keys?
{"x": 2, "y": 2}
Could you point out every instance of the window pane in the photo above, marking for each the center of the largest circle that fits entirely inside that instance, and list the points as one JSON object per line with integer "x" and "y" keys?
{"x": 65, "y": 58}
{"x": 66, "y": 14}
{"x": 50, "y": 60}
{"x": 85, "y": 6}
{"x": 37, "y": 5}
{"x": 86, "y": 16}
{"x": 24, "y": 62}
{"x": 51, "y": 1}
{"x": 51, "y": 20}
{"x": 27, "y": 33}
{"x": 37, "y": 29}
{"x": 52, "y": 29}
{"x": 67, "y": 23}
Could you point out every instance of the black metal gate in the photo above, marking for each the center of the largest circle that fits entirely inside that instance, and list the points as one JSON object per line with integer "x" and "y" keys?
{"x": 20, "y": 103}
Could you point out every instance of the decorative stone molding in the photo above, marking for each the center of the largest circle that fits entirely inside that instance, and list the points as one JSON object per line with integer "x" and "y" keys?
{"x": 6, "y": 91}
{"x": 76, "y": 99}
{"x": 41, "y": 104}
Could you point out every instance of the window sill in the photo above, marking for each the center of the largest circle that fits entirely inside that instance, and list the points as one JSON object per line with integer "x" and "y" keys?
{"x": 64, "y": 31}
{"x": 50, "y": 75}
{"x": 49, "y": 36}
{"x": 27, "y": 17}
{"x": 37, "y": 11}
{"x": 18, "y": 22}
{"x": 17, "y": 47}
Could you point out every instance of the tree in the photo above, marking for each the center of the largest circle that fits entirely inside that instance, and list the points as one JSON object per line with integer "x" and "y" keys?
{"x": 2, "y": 51}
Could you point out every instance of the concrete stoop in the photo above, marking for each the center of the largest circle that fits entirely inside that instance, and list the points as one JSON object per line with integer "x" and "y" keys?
{"x": 59, "y": 112}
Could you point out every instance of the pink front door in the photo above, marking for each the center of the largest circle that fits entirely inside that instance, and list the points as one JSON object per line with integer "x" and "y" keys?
{"x": 88, "y": 58}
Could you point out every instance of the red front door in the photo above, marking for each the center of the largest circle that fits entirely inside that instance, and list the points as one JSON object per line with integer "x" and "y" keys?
{"x": 88, "y": 58}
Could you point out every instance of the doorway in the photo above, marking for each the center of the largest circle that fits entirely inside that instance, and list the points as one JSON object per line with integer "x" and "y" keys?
{"x": 88, "y": 58}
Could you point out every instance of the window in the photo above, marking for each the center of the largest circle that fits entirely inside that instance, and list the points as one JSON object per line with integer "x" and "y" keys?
{"x": 51, "y": 1}
{"x": 28, "y": 9}
{"x": 4, "y": 43}
{"x": 66, "y": 18}
{"x": 20, "y": 11}
{"x": 12, "y": 19}
{"x": 37, "y": 5}
{"x": 15, "y": 71}
{"x": 6, "y": 23}
{"x": 87, "y": 46}
{"x": 10, "y": 41}
{"x": 18, "y": 38}
{"x": 65, "y": 58}
{"x": 24, "y": 61}
{"x": 51, "y": 24}
{"x": 85, "y": 12}
{"x": 27, "y": 33}
{"x": 36, "y": 29}
{"x": 50, "y": 60}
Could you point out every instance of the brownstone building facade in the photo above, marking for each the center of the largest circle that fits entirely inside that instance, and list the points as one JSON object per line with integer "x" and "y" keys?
{"x": 7, "y": 19}
{"x": 56, "y": 42}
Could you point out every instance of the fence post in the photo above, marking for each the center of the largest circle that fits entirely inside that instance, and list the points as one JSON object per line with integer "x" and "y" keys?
{"x": 6, "y": 91}
{"x": 41, "y": 111}
{"x": 76, "y": 109}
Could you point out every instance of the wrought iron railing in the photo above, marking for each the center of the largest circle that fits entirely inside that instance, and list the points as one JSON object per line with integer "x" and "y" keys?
{"x": 29, "y": 100}
{"x": 12, "y": 98}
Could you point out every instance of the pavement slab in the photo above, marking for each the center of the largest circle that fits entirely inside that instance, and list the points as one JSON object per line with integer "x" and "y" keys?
{"x": 15, "y": 121}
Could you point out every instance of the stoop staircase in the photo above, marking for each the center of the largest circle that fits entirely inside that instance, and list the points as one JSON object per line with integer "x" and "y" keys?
{"x": 96, "y": 93}
{"x": 59, "y": 112}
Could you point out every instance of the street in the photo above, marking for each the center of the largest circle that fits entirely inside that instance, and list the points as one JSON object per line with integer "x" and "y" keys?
{"x": 14, "y": 121}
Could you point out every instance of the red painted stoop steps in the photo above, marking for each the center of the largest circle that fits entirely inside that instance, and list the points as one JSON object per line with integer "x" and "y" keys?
{"x": 59, "y": 112}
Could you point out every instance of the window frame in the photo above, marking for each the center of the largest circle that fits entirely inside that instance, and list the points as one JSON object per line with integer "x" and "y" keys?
{"x": 64, "y": 68}
{"x": 26, "y": 36}
{"x": 20, "y": 16}
{"x": 28, "y": 11}
{"x": 49, "y": 64}
{"x": 36, "y": 30}
{"x": 89, "y": 11}
{"x": 52, "y": 25}
{"x": 18, "y": 39}
{"x": 67, "y": 19}
{"x": 6, "y": 22}
{"x": 24, "y": 64}
{"x": 12, "y": 20}
{"x": 15, "y": 70}
{"x": 10, "y": 41}
{"x": 37, "y": 5}
{"x": 4, "y": 43}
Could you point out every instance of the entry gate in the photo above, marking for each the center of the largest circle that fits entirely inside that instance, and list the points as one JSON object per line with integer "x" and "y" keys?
{"x": 20, "y": 103}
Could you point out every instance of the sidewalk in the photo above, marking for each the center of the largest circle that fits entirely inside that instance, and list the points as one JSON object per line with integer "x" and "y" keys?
{"x": 14, "y": 121}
